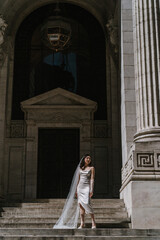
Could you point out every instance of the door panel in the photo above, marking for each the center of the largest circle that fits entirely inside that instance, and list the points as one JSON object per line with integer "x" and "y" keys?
{"x": 58, "y": 156}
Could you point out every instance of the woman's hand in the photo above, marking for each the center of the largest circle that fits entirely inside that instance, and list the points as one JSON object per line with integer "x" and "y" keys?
{"x": 91, "y": 194}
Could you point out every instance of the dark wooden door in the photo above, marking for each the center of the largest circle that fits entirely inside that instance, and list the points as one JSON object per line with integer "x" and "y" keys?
{"x": 58, "y": 156}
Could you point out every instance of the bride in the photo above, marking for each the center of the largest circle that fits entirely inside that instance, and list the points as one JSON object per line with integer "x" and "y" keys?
{"x": 81, "y": 187}
{"x": 85, "y": 189}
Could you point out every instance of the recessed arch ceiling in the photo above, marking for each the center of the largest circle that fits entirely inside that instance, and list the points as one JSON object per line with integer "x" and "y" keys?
{"x": 14, "y": 12}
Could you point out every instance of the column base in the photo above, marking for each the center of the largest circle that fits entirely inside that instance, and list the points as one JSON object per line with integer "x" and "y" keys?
{"x": 142, "y": 199}
{"x": 141, "y": 184}
{"x": 148, "y": 135}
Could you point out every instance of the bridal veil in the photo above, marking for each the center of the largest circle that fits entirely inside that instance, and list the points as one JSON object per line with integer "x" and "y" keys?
{"x": 70, "y": 213}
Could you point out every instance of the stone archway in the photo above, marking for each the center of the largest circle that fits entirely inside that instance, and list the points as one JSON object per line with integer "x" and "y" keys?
{"x": 107, "y": 132}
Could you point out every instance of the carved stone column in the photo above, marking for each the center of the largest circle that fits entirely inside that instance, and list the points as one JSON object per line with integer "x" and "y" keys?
{"x": 146, "y": 42}
{"x": 141, "y": 173}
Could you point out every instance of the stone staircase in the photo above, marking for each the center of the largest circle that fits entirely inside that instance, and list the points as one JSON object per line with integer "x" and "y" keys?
{"x": 44, "y": 213}
{"x": 35, "y": 219}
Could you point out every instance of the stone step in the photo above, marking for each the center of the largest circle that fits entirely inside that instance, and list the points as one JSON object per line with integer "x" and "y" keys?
{"x": 103, "y": 222}
{"x": 67, "y": 234}
{"x": 84, "y": 231}
{"x": 53, "y": 220}
{"x": 52, "y": 200}
{"x": 81, "y": 232}
{"x": 109, "y": 213}
{"x": 110, "y": 203}
{"x": 61, "y": 205}
{"x": 30, "y": 237}
{"x": 58, "y": 209}
{"x": 51, "y": 214}
{"x": 97, "y": 216}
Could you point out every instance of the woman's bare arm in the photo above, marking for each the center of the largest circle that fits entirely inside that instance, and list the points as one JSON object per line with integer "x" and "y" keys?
{"x": 92, "y": 181}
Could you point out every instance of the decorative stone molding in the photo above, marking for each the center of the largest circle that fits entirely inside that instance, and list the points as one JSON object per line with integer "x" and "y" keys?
{"x": 53, "y": 116}
{"x": 17, "y": 129}
{"x": 3, "y": 26}
{"x": 59, "y": 105}
{"x": 128, "y": 168}
{"x": 145, "y": 160}
{"x": 141, "y": 165}
{"x": 158, "y": 160}
{"x": 112, "y": 29}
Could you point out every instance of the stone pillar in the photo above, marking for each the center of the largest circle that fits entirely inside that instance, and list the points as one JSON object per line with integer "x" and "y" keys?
{"x": 128, "y": 102}
{"x": 146, "y": 43}
{"x": 3, "y": 87}
{"x": 141, "y": 173}
{"x": 31, "y": 163}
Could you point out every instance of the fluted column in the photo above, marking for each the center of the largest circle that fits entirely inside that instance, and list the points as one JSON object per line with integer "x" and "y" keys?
{"x": 146, "y": 43}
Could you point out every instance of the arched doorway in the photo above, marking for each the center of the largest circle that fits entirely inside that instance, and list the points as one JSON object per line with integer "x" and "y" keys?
{"x": 89, "y": 52}
{"x": 38, "y": 69}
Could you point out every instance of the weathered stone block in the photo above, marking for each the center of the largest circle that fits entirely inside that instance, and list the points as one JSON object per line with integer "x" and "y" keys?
{"x": 126, "y": 4}
{"x": 127, "y": 26}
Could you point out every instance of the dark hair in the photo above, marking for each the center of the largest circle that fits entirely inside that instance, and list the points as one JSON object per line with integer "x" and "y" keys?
{"x": 83, "y": 162}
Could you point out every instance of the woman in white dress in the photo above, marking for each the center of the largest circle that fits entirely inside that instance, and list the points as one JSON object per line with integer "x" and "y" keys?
{"x": 85, "y": 189}
{"x": 82, "y": 184}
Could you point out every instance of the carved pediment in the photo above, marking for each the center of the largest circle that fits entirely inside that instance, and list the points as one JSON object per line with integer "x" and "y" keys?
{"x": 58, "y": 98}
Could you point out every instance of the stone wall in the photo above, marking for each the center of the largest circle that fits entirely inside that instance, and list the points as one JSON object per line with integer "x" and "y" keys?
{"x": 128, "y": 104}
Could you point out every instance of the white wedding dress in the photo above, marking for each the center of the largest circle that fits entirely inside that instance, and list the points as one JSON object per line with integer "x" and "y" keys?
{"x": 70, "y": 213}
{"x": 84, "y": 189}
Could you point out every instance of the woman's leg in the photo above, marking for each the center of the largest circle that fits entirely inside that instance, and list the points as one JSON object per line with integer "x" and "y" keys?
{"x": 82, "y": 213}
{"x": 93, "y": 220}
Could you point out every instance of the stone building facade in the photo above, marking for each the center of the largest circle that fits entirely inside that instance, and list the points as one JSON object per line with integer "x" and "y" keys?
{"x": 125, "y": 143}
